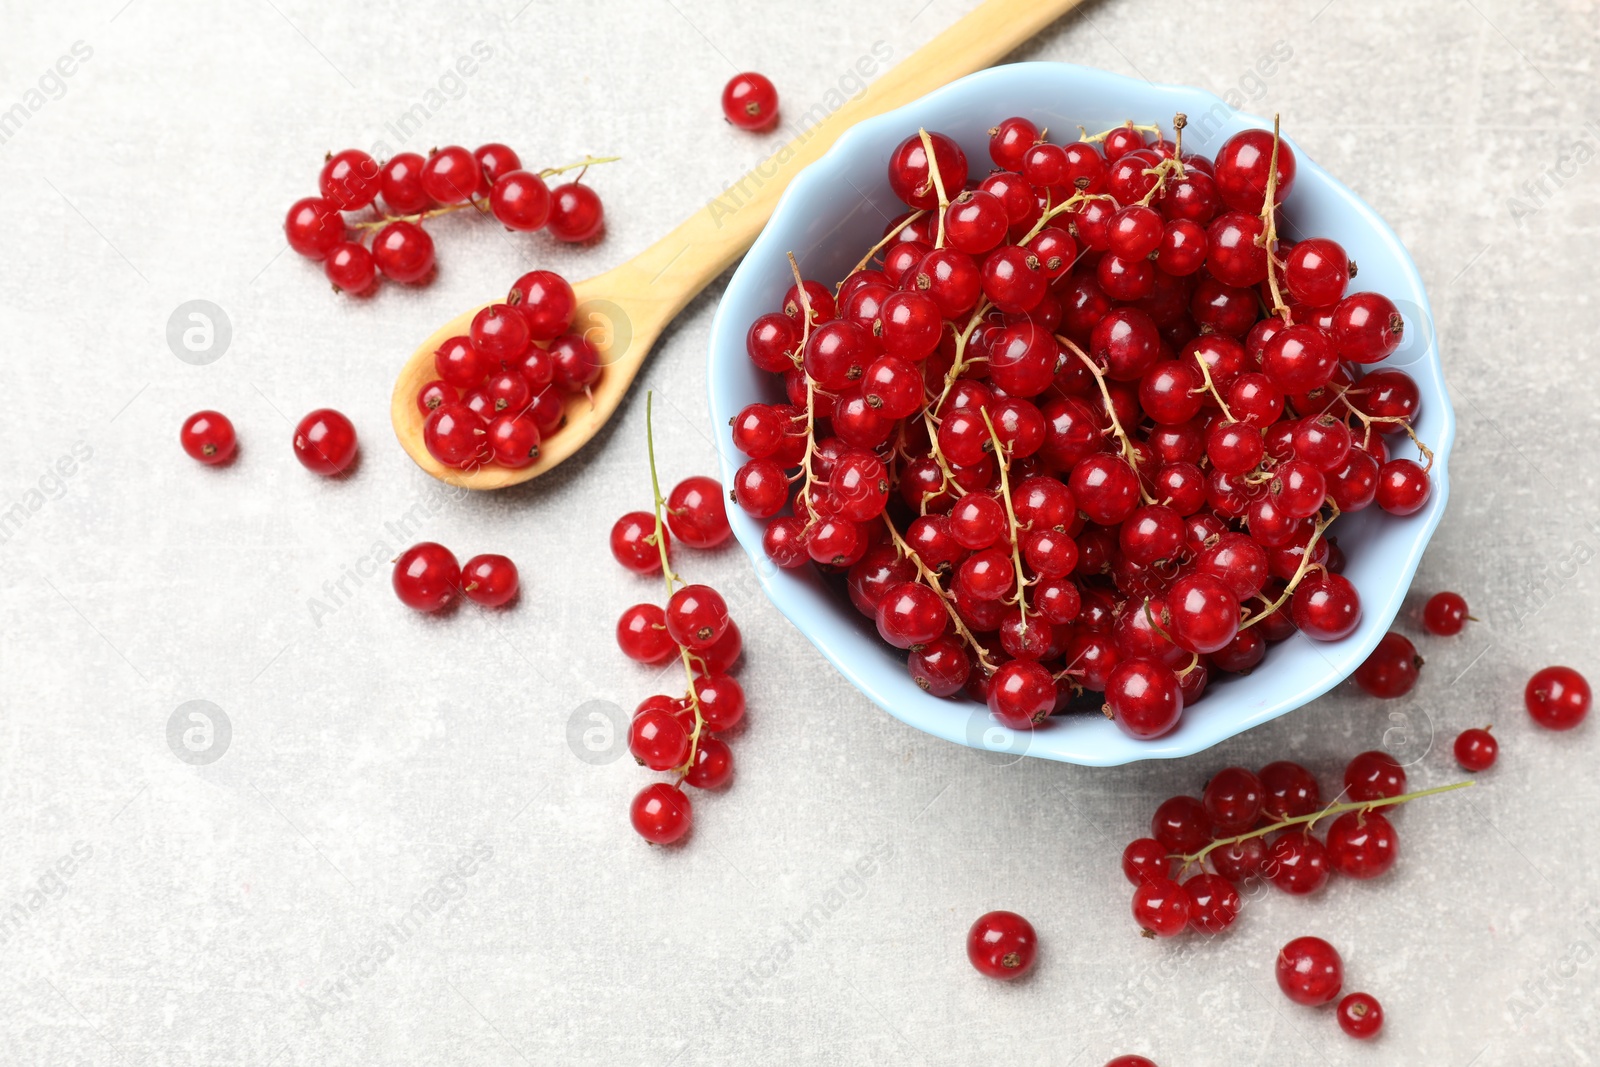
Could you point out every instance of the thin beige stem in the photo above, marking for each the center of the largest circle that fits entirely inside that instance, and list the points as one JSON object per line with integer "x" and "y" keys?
{"x": 1004, "y": 460}
{"x": 1128, "y": 452}
{"x": 933, "y": 583}
{"x": 938, "y": 183}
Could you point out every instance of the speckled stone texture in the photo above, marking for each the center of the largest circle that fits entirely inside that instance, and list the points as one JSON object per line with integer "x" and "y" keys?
{"x": 411, "y": 853}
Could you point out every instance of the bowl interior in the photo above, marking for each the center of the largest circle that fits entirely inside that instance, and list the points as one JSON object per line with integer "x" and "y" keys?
{"x": 838, "y": 208}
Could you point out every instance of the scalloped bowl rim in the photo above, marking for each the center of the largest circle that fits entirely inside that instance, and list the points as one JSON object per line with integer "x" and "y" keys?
{"x": 819, "y": 612}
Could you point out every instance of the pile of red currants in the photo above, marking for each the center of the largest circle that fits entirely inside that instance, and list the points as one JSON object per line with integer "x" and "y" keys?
{"x": 502, "y": 388}
{"x": 674, "y": 734}
{"x": 1082, "y": 424}
{"x": 414, "y": 190}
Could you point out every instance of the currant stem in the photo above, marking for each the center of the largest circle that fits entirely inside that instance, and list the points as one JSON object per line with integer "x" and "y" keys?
{"x": 1299, "y": 572}
{"x": 933, "y": 583}
{"x": 1211, "y": 387}
{"x": 1111, "y": 413}
{"x": 960, "y": 363}
{"x": 1004, "y": 461}
{"x": 938, "y": 183}
{"x": 1368, "y": 420}
{"x": 1332, "y": 809}
{"x": 1095, "y": 138}
{"x": 667, "y": 572}
{"x": 879, "y": 247}
{"x": 1269, "y": 229}
{"x": 420, "y": 216}
{"x": 811, "y": 394}
{"x": 586, "y": 161}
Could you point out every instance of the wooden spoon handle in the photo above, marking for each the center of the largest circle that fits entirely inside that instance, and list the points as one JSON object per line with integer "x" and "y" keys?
{"x": 667, "y": 275}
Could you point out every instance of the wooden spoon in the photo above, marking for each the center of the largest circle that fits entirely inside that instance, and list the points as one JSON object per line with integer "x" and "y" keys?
{"x": 624, "y": 310}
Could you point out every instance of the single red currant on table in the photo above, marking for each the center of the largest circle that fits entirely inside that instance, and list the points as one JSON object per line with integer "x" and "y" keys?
{"x": 490, "y": 580}
{"x": 427, "y": 577}
{"x": 1557, "y": 698}
{"x": 1161, "y": 907}
{"x": 1131, "y": 1061}
{"x": 1002, "y": 944}
{"x": 325, "y": 443}
{"x": 750, "y": 101}
{"x": 1391, "y": 670}
{"x": 208, "y": 437}
{"x": 1445, "y": 614}
{"x": 1360, "y": 1015}
{"x": 1476, "y": 750}
{"x": 1310, "y": 971}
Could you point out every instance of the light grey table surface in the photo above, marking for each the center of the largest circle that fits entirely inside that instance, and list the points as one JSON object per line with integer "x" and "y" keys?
{"x": 252, "y": 910}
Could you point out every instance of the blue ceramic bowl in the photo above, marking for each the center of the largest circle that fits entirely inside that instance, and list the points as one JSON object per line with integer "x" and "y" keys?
{"x": 837, "y": 208}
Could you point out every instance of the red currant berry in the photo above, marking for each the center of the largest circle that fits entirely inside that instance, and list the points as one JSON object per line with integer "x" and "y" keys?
{"x": 349, "y": 179}
{"x": 1181, "y": 824}
{"x": 350, "y": 268}
{"x": 941, "y": 667}
{"x": 500, "y": 333}
{"x": 1374, "y": 775}
{"x": 1203, "y": 613}
{"x": 1131, "y": 1061}
{"x": 433, "y": 395}
{"x": 721, "y": 701}
{"x": 575, "y": 363}
{"x": 696, "y": 615}
{"x": 1391, "y": 670}
{"x": 1144, "y": 698}
{"x": 1243, "y": 165}
{"x": 910, "y": 176}
{"x": 1557, "y": 698}
{"x": 1296, "y": 863}
{"x": 1233, "y": 800}
{"x": 576, "y": 213}
{"x": 1326, "y": 607}
{"x": 456, "y": 436}
{"x": 1403, "y": 487}
{"x": 1367, "y": 327}
{"x": 696, "y": 512}
{"x": 1360, "y": 1015}
{"x": 403, "y": 251}
{"x": 1002, "y": 944}
{"x": 633, "y": 542}
{"x": 1288, "y": 791}
{"x": 494, "y": 161}
{"x": 1213, "y": 903}
{"x": 657, "y": 737}
{"x": 208, "y": 437}
{"x": 427, "y": 577}
{"x": 313, "y": 227}
{"x": 1362, "y": 844}
{"x": 1240, "y": 859}
{"x": 1161, "y": 907}
{"x": 1445, "y": 614}
{"x": 1310, "y": 971}
{"x": 1021, "y": 694}
{"x": 520, "y": 200}
{"x": 750, "y": 101}
{"x": 490, "y": 580}
{"x": 1476, "y": 749}
{"x": 1010, "y": 140}
{"x": 1145, "y": 859}
{"x": 513, "y": 439}
{"x": 713, "y": 764}
{"x": 325, "y": 442}
{"x": 546, "y": 301}
{"x": 401, "y": 185}
{"x": 1316, "y": 271}
{"x": 642, "y": 634}
{"x": 911, "y": 614}
{"x": 450, "y": 175}
{"x": 661, "y": 813}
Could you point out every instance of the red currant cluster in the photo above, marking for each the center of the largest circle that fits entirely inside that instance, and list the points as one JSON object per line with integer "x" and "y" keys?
{"x": 1047, "y": 431}
{"x": 415, "y": 189}
{"x": 324, "y": 441}
{"x": 503, "y": 388}
{"x": 428, "y": 578}
{"x": 673, "y": 734}
{"x": 1250, "y": 825}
